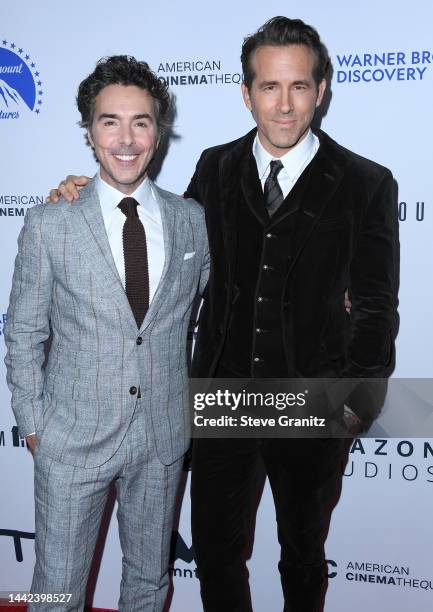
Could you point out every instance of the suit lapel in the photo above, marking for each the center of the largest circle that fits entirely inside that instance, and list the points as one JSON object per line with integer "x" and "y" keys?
{"x": 325, "y": 177}
{"x": 253, "y": 193}
{"x": 237, "y": 180}
{"x": 231, "y": 189}
{"x": 174, "y": 231}
{"x": 252, "y": 188}
{"x": 92, "y": 240}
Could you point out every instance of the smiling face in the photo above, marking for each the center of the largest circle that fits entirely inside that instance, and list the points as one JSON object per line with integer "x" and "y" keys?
{"x": 283, "y": 95}
{"x": 124, "y": 135}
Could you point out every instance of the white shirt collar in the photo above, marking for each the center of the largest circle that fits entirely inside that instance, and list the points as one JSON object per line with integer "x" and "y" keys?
{"x": 292, "y": 161}
{"x": 110, "y": 197}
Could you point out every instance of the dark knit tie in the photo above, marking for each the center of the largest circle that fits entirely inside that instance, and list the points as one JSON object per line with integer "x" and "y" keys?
{"x": 135, "y": 254}
{"x": 272, "y": 191}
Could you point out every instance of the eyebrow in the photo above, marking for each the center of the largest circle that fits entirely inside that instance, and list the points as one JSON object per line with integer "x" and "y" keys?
{"x": 264, "y": 83}
{"x": 302, "y": 82}
{"x": 114, "y": 116}
{"x": 298, "y": 82}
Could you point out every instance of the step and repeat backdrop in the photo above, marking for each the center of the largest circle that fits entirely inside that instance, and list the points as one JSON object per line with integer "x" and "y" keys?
{"x": 380, "y": 542}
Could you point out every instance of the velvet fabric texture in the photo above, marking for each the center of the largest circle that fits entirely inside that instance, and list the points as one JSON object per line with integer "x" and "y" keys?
{"x": 346, "y": 237}
{"x": 337, "y": 230}
{"x": 254, "y": 344}
{"x": 227, "y": 477}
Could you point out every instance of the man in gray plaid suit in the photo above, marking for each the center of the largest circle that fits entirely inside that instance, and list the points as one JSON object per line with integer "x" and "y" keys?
{"x": 112, "y": 279}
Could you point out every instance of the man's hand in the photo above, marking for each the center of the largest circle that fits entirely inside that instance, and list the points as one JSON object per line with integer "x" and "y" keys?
{"x": 31, "y": 443}
{"x": 347, "y": 302}
{"x": 69, "y": 189}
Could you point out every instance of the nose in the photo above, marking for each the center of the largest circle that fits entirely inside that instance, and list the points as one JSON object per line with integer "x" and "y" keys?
{"x": 126, "y": 135}
{"x": 285, "y": 102}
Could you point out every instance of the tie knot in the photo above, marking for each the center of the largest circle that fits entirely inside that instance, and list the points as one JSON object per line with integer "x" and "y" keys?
{"x": 276, "y": 165}
{"x": 129, "y": 207}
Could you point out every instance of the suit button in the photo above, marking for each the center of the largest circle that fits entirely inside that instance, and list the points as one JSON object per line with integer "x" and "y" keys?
{"x": 258, "y": 330}
{"x": 139, "y": 340}
{"x": 257, "y": 359}
{"x": 269, "y": 235}
{"x": 133, "y": 390}
{"x": 260, "y": 299}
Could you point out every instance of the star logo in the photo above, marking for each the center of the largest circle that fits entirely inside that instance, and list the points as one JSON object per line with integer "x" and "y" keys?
{"x": 20, "y": 81}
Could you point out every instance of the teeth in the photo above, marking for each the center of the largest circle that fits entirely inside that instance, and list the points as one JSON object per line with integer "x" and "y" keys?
{"x": 125, "y": 157}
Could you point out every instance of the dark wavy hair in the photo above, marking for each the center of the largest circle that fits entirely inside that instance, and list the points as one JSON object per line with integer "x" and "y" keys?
{"x": 280, "y": 31}
{"x": 123, "y": 70}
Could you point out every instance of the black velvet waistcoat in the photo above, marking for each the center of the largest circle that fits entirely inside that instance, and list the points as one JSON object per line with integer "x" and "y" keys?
{"x": 254, "y": 344}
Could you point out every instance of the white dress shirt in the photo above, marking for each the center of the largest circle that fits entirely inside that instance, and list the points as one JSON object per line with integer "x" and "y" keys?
{"x": 294, "y": 161}
{"x": 150, "y": 216}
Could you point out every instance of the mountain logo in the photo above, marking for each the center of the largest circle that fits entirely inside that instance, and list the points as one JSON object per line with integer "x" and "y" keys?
{"x": 21, "y": 90}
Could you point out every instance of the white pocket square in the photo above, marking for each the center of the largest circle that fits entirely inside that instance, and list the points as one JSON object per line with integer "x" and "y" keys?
{"x": 189, "y": 255}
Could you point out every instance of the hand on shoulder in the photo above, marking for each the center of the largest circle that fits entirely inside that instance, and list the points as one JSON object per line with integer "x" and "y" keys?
{"x": 68, "y": 188}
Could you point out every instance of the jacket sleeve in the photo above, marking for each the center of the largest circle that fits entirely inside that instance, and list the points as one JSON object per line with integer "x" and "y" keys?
{"x": 205, "y": 266}
{"x": 28, "y": 323}
{"x": 374, "y": 277}
{"x": 192, "y": 191}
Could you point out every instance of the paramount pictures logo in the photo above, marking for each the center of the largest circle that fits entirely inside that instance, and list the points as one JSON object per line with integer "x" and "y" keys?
{"x": 21, "y": 87}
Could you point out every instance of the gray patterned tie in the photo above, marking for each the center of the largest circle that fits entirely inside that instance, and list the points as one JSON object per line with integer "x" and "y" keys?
{"x": 272, "y": 191}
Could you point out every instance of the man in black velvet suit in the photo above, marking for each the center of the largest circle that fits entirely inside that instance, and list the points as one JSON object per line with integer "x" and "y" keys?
{"x": 294, "y": 220}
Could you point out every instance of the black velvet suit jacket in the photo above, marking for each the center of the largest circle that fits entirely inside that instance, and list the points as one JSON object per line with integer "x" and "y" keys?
{"x": 346, "y": 236}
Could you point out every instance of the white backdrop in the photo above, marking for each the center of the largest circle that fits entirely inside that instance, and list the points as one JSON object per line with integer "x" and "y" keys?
{"x": 380, "y": 108}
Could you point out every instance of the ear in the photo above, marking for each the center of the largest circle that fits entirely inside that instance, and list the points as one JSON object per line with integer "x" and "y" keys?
{"x": 320, "y": 92}
{"x": 89, "y": 137}
{"x": 246, "y": 97}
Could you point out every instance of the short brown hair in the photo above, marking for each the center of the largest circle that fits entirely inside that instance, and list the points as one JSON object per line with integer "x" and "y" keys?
{"x": 123, "y": 70}
{"x": 280, "y": 31}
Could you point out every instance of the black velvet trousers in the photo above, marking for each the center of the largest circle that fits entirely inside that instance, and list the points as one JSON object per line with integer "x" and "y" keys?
{"x": 227, "y": 476}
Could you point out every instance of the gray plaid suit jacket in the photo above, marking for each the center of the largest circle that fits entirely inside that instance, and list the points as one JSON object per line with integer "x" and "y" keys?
{"x": 66, "y": 284}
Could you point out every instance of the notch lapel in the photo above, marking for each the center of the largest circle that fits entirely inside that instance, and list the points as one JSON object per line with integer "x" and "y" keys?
{"x": 92, "y": 241}
{"x": 324, "y": 180}
{"x": 174, "y": 232}
{"x": 252, "y": 188}
{"x": 231, "y": 166}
